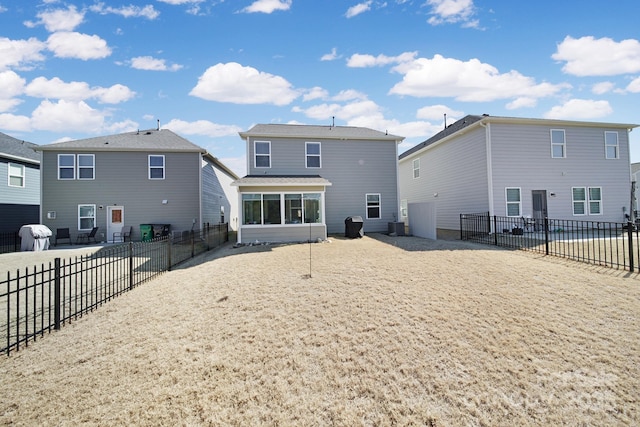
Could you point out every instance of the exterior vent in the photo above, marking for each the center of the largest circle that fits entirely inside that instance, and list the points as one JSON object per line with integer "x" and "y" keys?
{"x": 51, "y": 215}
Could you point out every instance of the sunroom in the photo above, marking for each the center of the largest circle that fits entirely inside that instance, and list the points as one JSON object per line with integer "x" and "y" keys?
{"x": 281, "y": 208}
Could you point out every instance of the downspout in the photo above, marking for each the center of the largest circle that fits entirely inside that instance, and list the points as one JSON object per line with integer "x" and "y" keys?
{"x": 397, "y": 214}
{"x": 201, "y": 186}
{"x": 487, "y": 137}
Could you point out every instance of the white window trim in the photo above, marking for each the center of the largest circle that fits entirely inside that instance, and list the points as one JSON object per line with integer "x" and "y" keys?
{"x": 164, "y": 167}
{"x": 21, "y": 176}
{"x": 507, "y": 202}
{"x": 92, "y": 167}
{"x": 574, "y": 201}
{"x": 589, "y": 201}
{"x": 379, "y": 205}
{"x": 283, "y": 215}
{"x": 307, "y": 155}
{"x": 79, "y": 217}
{"x": 564, "y": 143}
{"x": 606, "y": 146}
{"x": 73, "y": 167}
{"x": 416, "y": 170}
{"x": 586, "y": 202}
{"x": 255, "y": 155}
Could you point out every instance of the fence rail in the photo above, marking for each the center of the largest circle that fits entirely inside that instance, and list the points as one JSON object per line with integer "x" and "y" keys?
{"x": 38, "y": 300}
{"x": 611, "y": 244}
{"x": 9, "y": 242}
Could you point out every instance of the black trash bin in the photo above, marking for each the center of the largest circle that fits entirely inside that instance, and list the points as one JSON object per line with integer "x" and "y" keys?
{"x": 161, "y": 230}
{"x": 353, "y": 227}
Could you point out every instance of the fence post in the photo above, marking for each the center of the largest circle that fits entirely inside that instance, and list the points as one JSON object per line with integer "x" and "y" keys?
{"x": 130, "y": 265}
{"x": 546, "y": 235}
{"x": 56, "y": 295}
{"x": 461, "y": 236}
{"x": 169, "y": 240}
{"x": 630, "y": 239}
{"x": 193, "y": 244}
{"x": 495, "y": 230}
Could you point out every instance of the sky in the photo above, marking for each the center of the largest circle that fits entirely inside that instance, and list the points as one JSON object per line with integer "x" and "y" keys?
{"x": 208, "y": 69}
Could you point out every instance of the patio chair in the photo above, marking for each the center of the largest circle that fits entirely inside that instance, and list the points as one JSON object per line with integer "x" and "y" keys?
{"x": 87, "y": 237}
{"x": 61, "y": 234}
{"x": 123, "y": 234}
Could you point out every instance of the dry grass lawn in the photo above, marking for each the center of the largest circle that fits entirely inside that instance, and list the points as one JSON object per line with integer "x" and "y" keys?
{"x": 386, "y": 331}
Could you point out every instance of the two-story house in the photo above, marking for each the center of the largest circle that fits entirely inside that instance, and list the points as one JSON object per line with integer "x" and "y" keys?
{"x": 132, "y": 179}
{"x": 304, "y": 181}
{"x": 519, "y": 167}
{"x": 20, "y": 191}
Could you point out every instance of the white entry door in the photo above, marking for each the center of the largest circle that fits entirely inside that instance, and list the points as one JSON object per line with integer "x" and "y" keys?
{"x": 115, "y": 221}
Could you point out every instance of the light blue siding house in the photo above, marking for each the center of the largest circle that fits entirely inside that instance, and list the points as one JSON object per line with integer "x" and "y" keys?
{"x": 519, "y": 167}
{"x": 304, "y": 181}
{"x": 19, "y": 184}
{"x": 131, "y": 179}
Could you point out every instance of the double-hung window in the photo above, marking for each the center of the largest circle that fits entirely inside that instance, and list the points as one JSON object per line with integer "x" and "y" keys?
{"x": 156, "y": 166}
{"x": 416, "y": 168}
{"x": 611, "y": 145}
{"x": 584, "y": 198}
{"x": 313, "y": 154}
{"x": 16, "y": 175}
{"x": 373, "y": 206}
{"x": 514, "y": 201}
{"x": 262, "y": 154}
{"x": 595, "y": 201}
{"x": 558, "y": 144}
{"x": 66, "y": 166}
{"x": 86, "y": 166}
{"x": 86, "y": 217}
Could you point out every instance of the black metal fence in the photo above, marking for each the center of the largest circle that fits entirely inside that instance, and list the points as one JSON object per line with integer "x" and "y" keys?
{"x": 38, "y": 300}
{"x": 9, "y": 242}
{"x": 610, "y": 244}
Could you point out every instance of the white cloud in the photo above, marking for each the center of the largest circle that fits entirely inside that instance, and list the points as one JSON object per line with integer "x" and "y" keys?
{"x": 588, "y": 56}
{"x": 358, "y": 9}
{"x": 65, "y": 116}
{"x": 602, "y": 88}
{"x": 522, "y": 102}
{"x": 315, "y": 93}
{"x": 20, "y": 53}
{"x": 11, "y": 84}
{"x": 76, "y": 45}
{"x": 634, "y": 86}
{"x": 130, "y": 11}
{"x": 330, "y": 56}
{"x": 55, "y": 88}
{"x": 451, "y": 12}
{"x": 267, "y": 6}
{"x": 349, "y": 95}
{"x": 59, "y": 19}
{"x": 580, "y": 109}
{"x": 232, "y": 82}
{"x": 12, "y": 122}
{"x": 437, "y": 112}
{"x": 362, "y": 60}
{"x": 202, "y": 127}
{"x": 471, "y": 81}
{"x": 152, "y": 64}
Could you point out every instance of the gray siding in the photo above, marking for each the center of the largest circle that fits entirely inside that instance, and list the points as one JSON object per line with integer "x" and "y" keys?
{"x": 27, "y": 195}
{"x": 283, "y": 234}
{"x": 521, "y": 157}
{"x": 214, "y": 195}
{"x": 121, "y": 178}
{"x": 354, "y": 168}
{"x": 456, "y": 171}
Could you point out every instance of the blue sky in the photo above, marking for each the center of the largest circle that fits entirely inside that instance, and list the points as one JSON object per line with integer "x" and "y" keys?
{"x": 207, "y": 69}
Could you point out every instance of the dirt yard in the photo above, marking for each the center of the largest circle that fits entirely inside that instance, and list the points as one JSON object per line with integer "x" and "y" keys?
{"x": 372, "y": 331}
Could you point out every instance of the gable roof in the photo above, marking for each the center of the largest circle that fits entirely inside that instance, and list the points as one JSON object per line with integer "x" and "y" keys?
{"x": 146, "y": 140}
{"x": 475, "y": 121}
{"x": 16, "y": 149}
{"x": 317, "y": 132}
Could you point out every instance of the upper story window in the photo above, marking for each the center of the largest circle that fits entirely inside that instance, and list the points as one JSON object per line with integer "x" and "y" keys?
{"x": 86, "y": 166}
{"x": 16, "y": 175}
{"x": 373, "y": 206}
{"x": 514, "y": 202}
{"x": 558, "y": 144}
{"x": 416, "y": 168}
{"x": 156, "y": 167}
{"x": 66, "y": 166}
{"x": 262, "y": 151}
{"x": 313, "y": 154}
{"x": 611, "y": 145}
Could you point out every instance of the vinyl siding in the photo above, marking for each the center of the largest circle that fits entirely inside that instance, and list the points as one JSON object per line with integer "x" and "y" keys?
{"x": 289, "y": 233}
{"x": 521, "y": 157}
{"x": 27, "y": 195}
{"x": 122, "y": 179}
{"x": 354, "y": 168}
{"x": 216, "y": 192}
{"x": 456, "y": 171}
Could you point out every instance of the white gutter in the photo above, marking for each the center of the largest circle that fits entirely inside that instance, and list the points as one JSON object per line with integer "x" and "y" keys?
{"x": 487, "y": 136}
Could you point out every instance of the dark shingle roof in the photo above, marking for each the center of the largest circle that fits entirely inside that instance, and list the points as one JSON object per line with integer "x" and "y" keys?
{"x": 144, "y": 140}
{"x": 17, "y": 149}
{"x": 320, "y": 132}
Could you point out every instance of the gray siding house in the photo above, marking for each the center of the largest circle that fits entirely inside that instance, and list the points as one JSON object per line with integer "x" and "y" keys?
{"x": 304, "y": 181}
{"x": 20, "y": 185}
{"x": 130, "y": 179}
{"x": 519, "y": 167}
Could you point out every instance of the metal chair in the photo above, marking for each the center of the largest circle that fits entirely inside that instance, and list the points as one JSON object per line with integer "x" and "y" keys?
{"x": 61, "y": 234}
{"x": 123, "y": 234}
{"x": 87, "y": 237}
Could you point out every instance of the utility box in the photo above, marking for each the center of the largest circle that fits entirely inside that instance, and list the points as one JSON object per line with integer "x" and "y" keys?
{"x": 396, "y": 228}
